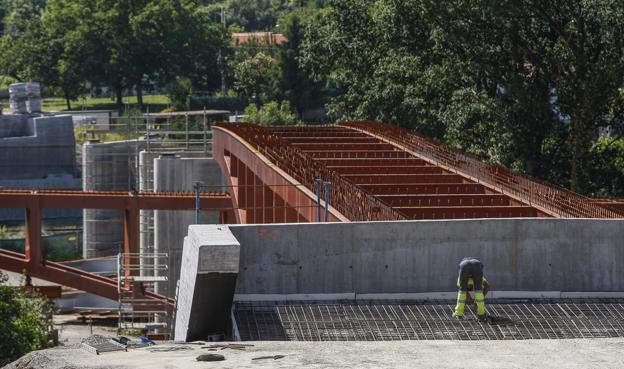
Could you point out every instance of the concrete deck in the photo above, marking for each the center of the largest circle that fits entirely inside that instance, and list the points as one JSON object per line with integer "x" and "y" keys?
{"x": 593, "y": 353}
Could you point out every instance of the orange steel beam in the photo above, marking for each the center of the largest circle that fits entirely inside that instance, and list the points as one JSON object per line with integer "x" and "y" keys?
{"x": 34, "y": 201}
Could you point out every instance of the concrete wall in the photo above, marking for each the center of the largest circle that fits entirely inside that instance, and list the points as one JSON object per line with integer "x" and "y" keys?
{"x": 36, "y": 147}
{"x": 175, "y": 173}
{"x": 422, "y": 256}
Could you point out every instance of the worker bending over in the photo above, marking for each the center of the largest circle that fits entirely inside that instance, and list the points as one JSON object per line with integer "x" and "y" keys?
{"x": 471, "y": 276}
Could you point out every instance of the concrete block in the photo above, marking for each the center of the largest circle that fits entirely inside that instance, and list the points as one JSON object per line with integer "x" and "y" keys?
{"x": 210, "y": 262}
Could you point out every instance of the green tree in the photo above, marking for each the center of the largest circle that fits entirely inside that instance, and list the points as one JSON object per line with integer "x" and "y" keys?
{"x": 297, "y": 84}
{"x": 270, "y": 114}
{"x": 25, "y": 322}
{"x": 257, "y": 77}
{"x": 606, "y": 169}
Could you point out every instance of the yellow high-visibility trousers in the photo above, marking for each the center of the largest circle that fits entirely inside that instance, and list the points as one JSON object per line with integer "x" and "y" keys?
{"x": 461, "y": 304}
{"x": 480, "y": 300}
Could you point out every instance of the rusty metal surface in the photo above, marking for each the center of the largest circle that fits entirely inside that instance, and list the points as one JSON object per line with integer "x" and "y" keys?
{"x": 554, "y": 200}
{"x": 373, "y": 179}
{"x": 350, "y": 200}
{"x": 616, "y": 205}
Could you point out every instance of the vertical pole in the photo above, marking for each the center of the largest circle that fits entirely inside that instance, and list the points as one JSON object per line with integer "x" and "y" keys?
{"x": 187, "y": 129}
{"x": 32, "y": 249}
{"x": 318, "y": 200}
{"x": 205, "y": 129}
{"x": 131, "y": 237}
{"x": 327, "y": 191}
{"x": 198, "y": 186}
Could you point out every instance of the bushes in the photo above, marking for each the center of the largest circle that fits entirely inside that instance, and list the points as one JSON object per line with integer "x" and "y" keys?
{"x": 25, "y": 322}
{"x": 231, "y": 103}
{"x": 270, "y": 114}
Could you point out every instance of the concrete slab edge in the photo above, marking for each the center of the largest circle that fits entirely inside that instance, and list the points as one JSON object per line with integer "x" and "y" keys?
{"x": 421, "y": 296}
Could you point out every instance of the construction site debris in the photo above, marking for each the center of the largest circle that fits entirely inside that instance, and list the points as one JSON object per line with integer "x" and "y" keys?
{"x": 233, "y": 346}
{"x": 169, "y": 348}
{"x": 98, "y": 344}
{"x": 274, "y": 357}
{"x": 210, "y": 357}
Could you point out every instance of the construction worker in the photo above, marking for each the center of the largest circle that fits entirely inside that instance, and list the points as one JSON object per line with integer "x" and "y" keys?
{"x": 471, "y": 277}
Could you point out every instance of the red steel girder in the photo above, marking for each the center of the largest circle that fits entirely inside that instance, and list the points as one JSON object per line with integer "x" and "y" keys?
{"x": 357, "y": 154}
{"x": 52, "y": 199}
{"x": 467, "y": 212}
{"x": 340, "y": 139}
{"x": 448, "y": 200}
{"x": 390, "y": 169}
{"x": 430, "y": 188}
{"x": 398, "y": 179}
{"x": 368, "y": 162}
{"x": 342, "y": 146}
{"x": 34, "y": 201}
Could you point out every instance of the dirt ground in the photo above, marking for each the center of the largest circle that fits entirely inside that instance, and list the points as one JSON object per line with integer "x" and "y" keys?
{"x": 577, "y": 353}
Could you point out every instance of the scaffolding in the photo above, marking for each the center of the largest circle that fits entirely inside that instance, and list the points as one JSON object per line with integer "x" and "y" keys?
{"x": 136, "y": 311}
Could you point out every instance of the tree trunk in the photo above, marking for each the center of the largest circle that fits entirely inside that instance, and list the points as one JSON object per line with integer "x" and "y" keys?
{"x": 68, "y": 102}
{"x": 139, "y": 92}
{"x": 119, "y": 93}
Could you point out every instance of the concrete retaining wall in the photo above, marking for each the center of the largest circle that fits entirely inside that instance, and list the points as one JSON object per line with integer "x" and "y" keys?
{"x": 412, "y": 257}
{"x": 36, "y": 147}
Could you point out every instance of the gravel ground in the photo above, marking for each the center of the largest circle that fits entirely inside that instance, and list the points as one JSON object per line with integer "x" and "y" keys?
{"x": 577, "y": 353}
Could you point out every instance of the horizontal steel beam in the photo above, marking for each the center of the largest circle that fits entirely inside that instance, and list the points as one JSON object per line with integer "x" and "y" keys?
{"x": 399, "y": 179}
{"x": 357, "y": 154}
{"x": 390, "y": 169}
{"x": 467, "y": 212}
{"x": 367, "y": 162}
{"x": 341, "y": 146}
{"x": 448, "y": 200}
{"x": 430, "y": 188}
{"x": 112, "y": 200}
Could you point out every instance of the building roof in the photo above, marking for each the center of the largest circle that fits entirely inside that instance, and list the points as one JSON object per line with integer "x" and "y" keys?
{"x": 263, "y": 38}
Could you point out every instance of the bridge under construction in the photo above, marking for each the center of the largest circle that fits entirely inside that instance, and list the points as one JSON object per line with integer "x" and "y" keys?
{"x": 350, "y": 172}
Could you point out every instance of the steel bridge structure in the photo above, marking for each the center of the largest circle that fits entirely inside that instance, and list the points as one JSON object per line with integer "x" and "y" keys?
{"x": 377, "y": 172}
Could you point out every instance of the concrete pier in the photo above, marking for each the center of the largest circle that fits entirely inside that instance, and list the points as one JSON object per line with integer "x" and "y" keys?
{"x": 206, "y": 290}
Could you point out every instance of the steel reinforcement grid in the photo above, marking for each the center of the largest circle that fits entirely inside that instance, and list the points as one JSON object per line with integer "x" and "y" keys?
{"x": 390, "y": 321}
{"x": 351, "y": 201}
{"x": 558, "y": 201}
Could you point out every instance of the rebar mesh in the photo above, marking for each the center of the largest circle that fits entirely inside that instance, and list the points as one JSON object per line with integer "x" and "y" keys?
{"x": 545, "y": 319}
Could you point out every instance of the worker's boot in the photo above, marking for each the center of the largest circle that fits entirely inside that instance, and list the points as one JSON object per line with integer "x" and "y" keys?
{"x": 461, "y": 304}
{"x": 480, "y": 301}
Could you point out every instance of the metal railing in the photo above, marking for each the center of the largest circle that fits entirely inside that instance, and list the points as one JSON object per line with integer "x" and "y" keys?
{"x": 552, "y": 199}
{"x": 352, "y": 202}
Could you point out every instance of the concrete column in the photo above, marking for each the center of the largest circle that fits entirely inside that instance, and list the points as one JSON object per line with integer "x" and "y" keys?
{"x": 174, "y": 173}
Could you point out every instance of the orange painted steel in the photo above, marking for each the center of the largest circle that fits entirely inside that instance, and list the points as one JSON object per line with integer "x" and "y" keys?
{"x": 547, "y": 198}
{"x": 616, "y": 205}
{"x": 241, "y": 146}
{"x": 367, "y": 170}
{"x": 34, "y": 264}
{"x": 410, "y": 185}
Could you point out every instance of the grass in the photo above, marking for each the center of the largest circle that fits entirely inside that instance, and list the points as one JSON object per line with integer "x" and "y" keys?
{"x": 155, "y": 103}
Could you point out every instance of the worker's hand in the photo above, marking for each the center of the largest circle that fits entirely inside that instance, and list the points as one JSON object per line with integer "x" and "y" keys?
{"x": 486, "y": 289}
